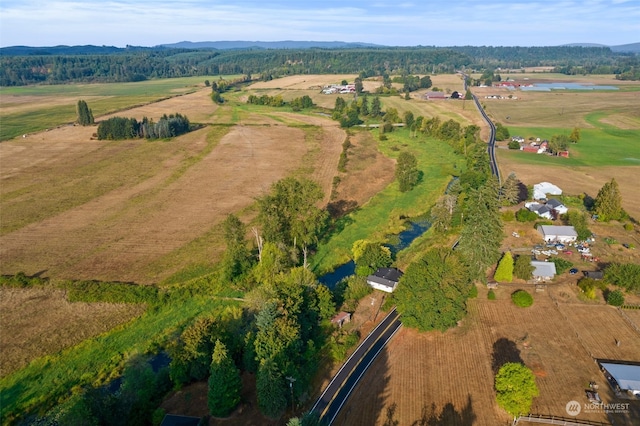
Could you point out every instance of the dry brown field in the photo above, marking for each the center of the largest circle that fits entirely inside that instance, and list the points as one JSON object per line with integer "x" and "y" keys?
{"x": 447, "y": 378}
{"x": 41, "y": 322}
{"x": 79, "y": 208}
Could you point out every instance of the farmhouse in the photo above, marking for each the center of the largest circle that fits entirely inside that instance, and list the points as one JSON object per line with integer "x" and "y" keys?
{"x": 385, "y": 279}
{"x": 560, "y": 234}
{"x": 549, "y": 210}
{"x": 543, "y": 271}
{"x": 556, "y": 205}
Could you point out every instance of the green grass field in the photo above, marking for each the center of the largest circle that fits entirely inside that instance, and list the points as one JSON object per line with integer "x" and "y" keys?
{"x": 604, "y": 146}
{"x": 56, "y": 104}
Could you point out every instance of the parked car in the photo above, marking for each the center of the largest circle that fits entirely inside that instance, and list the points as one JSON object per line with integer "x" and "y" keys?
{"x": 573, "y": 271}
{"x": 568, "y": 252}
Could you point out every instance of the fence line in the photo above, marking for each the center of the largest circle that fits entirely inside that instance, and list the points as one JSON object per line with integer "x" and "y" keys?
{"x": 629, "y": 321}
{"x": 555, "y": 420}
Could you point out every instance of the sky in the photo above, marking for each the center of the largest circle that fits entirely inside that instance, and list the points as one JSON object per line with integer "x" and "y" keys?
{"x": 392, "y": 23}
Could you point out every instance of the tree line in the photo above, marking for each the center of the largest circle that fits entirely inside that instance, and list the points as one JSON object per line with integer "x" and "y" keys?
{"x": 32, "y": 66}
{"x": 116, "y": 128}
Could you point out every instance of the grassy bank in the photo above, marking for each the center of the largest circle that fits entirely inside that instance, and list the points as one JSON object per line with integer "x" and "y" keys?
{"x": 384, "y": 214}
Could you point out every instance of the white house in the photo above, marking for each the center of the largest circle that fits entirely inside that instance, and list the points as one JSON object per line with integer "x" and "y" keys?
{"x": 556, "y": 205}
{"x": 543, "y": 271}
{"x": 540, "y": 209}
{"x": 385, "y": 279}
{"x": 560, "y": 234}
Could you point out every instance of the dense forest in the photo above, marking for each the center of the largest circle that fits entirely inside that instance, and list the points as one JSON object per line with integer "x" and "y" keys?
{"x": 23, "y": 65}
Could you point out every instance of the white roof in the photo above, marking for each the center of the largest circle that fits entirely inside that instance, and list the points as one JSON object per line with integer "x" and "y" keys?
{"x": 543, "y": 269}
{"x": 540, "y": 190}
{"x": 565, "y": 231}
{"x": 627, "y": 376}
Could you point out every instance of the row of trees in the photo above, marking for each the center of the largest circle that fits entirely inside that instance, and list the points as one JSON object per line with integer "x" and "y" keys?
{"x": 297, "y": 104}
{"x": 116, "y": 128}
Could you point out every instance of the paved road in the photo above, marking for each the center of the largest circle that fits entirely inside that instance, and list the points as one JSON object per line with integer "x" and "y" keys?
{"x": 336, "y": 394}
{"x": 491, "y": 143}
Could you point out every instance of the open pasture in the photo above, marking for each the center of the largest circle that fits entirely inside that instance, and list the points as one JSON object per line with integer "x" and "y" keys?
{"x": 120, "y": 210}
{"x": 65, "y": 324}
{"x": 449, "y": 376}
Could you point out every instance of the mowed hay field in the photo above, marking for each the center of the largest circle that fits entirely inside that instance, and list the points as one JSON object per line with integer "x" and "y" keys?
{"x": 447, "y": 378}
{"x": 135, "y": 210}
{"x": 42, "y": 321}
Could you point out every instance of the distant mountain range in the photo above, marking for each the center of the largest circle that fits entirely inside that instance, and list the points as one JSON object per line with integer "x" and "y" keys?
{"x": 286, "y": 44}
{"x": 229, "y": 45}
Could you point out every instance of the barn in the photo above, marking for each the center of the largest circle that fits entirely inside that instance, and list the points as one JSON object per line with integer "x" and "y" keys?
{"x": 558, "y": 234}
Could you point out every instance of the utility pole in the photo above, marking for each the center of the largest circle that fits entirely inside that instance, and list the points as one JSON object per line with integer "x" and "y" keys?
{"x": 291, "y": 380}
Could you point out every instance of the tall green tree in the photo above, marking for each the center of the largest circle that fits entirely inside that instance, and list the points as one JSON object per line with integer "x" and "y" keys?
{"x": 225, "y": 384}
{"x": 271, "y": 390}
{"x": 522, "y": 267}
{"x": 442, "y": 212}
{"x": 504, "y": 271}
{"x": 481, "y": 234}
{"x": 289, "y": 214}
{"x": 85, "y": 115}
{"x": 376, "y": 107}
{"x": 433, "y": 292}
{"x": 574, "y": 137}
{"x": 510, "y": 191}
{"x": 608, "y": 202}
{"x": 369, "y": 256}
{"x": 515, "y": 388}
{"x": 407, "y": 172}
{"x": 237, "y": 258}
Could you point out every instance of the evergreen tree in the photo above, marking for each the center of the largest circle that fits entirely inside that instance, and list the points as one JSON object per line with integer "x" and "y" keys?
{"x": 515, "y": 388}
{"x": 504, "y": 271}
{"x": 522, "y": 267}
{"x": 224, "y": 382}
{"x": 481, "y": 235}
{"x": 236, "y": 259}
{"x": 271, "y": 389}
{"x": 510, "y": 191}
{"x": 85, "y": 116}
{"x": 608, "y": 202}
{"x": 376, "y": 107}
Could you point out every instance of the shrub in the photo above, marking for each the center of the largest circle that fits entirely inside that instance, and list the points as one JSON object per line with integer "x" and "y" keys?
{"x": 615, "y": 298}
{"x": 561, "y": 264}
{"x": 522, "y": 299}
{"x": 514, "y": 145}
{"x": 508, "y": 216}
{"x": 473, "y": 292}
{"x": 588, "y": 288}
{"x": 628, "y": 226}
{"x": 491, "y": 295}
{"x": 525, "y": 215}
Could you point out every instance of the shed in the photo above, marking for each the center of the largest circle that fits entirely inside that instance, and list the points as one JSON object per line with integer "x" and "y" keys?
{"x": 341, "y": 318}
{"x": 540, "y": 190}
{"x": 543, "y": 271}
{"x": 385, "y": 279}
{"x": 560, "y": 234}
{"x": 596, "y": 275}
{"x": 435, "y": 95}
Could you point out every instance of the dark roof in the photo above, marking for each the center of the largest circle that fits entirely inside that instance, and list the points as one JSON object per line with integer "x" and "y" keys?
{"x": 386, "y": 276}
{"x": 596, "y": 275}
{"x": 553, "y": 203}
{"x": 176, "y": 420}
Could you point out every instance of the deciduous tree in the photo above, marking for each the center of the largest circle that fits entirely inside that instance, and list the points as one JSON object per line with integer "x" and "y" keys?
{"x": 407, "y": 171}
{"x": 432, "y": 293}
{"x": 515, "y": 388}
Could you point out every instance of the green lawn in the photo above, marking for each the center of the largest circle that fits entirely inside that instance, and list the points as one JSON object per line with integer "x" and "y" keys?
{"x": 605, "y": 145}
{"x": 381, "y": 216}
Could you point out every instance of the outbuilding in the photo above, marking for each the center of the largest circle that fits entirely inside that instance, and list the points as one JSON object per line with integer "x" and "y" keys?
{"x": 543, "y": 271}
{"x": 385, "y": 279}
{"x": 341, "y": 318}
{"x": 558, "y": 234}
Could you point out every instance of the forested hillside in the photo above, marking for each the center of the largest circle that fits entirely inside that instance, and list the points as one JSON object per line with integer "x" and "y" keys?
{"x": 62, "y": 64}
